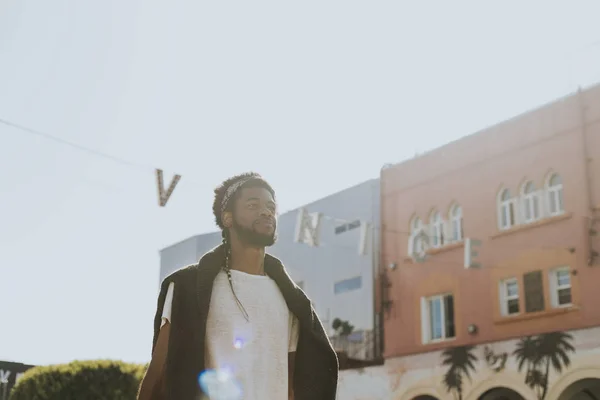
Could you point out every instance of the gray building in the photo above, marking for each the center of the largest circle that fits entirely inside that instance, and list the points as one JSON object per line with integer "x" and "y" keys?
{"x": 338, "y": 279}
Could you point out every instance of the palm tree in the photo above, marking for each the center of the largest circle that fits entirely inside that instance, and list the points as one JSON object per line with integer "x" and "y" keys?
{"x": 453, "y": 382}
{"x": 538, "y": 353}
{"x": 536, "y": 380}
{"x": 553, "y": 348}
{"x": 461, "y": 361}
{"x": 526, "y": 353}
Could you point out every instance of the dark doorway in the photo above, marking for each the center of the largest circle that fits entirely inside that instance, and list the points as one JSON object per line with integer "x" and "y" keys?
{"x": 501, "y": 393}
{"x": 584, "y": 389}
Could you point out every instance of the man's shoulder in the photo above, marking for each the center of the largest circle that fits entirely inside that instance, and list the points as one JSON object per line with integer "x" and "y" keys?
{"x": 180, "y": 274}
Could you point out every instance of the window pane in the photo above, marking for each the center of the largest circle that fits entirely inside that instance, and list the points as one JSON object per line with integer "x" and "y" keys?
{"x": 512, "y": 214}
{"x": 354, "y": 225}
{"x": 512, "y": 289}
{"x": 341, "y": 229}
{"x": 505, "y": 195}
{"x": 527, "y": 209}
{"x": 435, "y": 311}
{"x": 552, "y": 198}
{"x": 449, "y": 307}
{"x": 513, "y": 306}
{"x": 504, "y": 216}
{"x": 555, "y": 180}
{"x": 564, "y": 296}
{"x": 435, "y": 236}
{"x": 561, "y": 206}
{"x": 563, "y": 278}
{"x": 457, "y": 211}
{"x": 529, "y": 188}
{"x": 416, "y": 225}
{"x": 536, "y": 207}
{"x": 347, "y": 285}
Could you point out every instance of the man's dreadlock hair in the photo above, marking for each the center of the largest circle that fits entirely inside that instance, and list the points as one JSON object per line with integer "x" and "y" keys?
{"x": 256, "y": 181}
{"x": 253, "y": 180}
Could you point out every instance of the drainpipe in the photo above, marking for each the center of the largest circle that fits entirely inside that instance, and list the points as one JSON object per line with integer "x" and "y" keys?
{"x": 587, "y": 176}
{"x": 375, "y": 256}
{"x": 379, "y": 334}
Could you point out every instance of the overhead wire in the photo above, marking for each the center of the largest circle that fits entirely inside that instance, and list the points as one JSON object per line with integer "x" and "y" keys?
{"x": 77, "y": 146}
{"x": 86, "y": 149}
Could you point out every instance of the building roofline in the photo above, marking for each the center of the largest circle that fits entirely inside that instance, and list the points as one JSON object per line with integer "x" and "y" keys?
{"x": 482, "y": 131}
{"x": 186, "y": 239}
{"x": 372, "y": 180}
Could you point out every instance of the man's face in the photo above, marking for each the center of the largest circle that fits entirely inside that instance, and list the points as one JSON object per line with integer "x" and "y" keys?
{"x": 254, "y": 217}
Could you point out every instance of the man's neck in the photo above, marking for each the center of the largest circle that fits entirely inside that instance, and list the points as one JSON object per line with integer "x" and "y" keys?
{"x": 247, "y": 259}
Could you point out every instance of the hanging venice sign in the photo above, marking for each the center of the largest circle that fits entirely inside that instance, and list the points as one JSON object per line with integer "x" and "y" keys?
{"x": 164, "y": 195}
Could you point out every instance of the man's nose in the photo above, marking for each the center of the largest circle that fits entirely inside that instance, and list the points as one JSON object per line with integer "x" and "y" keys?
{"x": 265, "y": 212}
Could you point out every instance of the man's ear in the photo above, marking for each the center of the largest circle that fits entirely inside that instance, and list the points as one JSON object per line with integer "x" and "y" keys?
{"x": 227, "y": 219}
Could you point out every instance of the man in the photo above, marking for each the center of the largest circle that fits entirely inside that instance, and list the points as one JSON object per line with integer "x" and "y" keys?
{"x": 235, "y": 320}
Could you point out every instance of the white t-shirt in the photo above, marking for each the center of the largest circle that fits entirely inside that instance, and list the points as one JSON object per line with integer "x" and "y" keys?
{"x": 256, "y": 352}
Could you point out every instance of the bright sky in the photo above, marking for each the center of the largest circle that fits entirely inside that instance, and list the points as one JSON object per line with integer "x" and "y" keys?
{"x": 315, "y": 95}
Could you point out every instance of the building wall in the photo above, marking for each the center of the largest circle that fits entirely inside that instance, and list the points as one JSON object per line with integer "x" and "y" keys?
{"x": 337, "y": 258}
{"x": 493, "y": 367}
{"x": 186, "y": 252}
{"x": 471, "y": 172}
{"x": 318, "y": 269}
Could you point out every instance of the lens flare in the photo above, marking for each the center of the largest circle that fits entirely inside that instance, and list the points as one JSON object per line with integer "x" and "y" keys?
{"x": 238, "y": 343}
{"x": 220, "y": 384}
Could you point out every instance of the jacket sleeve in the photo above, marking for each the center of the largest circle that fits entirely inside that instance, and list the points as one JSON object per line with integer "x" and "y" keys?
{"x": 159, "y": 309}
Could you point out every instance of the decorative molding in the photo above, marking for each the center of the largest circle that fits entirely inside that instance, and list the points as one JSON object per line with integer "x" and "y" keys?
{"x": 531, "y": 225}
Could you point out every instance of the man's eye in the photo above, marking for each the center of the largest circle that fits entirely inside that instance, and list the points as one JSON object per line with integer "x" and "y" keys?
{"x": 251, "y": 206}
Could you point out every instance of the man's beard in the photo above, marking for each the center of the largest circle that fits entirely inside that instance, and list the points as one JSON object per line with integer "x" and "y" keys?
{"x": 252, "y": 238}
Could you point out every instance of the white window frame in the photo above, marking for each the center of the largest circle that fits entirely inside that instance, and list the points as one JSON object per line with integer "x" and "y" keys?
{"x": 504, "y": 206}
{"x": 505, "y": 297}
{"x": 555, "y": 286}
{"x": 555, "y": 192}
{"x": 415, "y": 225}
{"x": 436, "y": 227}
{"x": 530, "y": 203}
{"x": 426, "y": 318}
{"x": 456, "y": 223}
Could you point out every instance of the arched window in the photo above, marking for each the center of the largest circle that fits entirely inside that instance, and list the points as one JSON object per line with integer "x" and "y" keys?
{"x": 456, "y": 223}
{"x": 436, "y": 227}
{"x": 531, "y": 202}
{"x": 506, "y": 210}
{"x": 554, "y": 195}
{"x": 415, "y": 225}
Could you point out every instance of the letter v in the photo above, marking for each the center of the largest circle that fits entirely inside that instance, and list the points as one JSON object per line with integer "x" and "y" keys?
{"x": 163, "y": 196}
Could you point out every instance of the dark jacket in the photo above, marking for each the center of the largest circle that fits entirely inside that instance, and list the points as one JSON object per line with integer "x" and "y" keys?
{"x": 316, "y": 364}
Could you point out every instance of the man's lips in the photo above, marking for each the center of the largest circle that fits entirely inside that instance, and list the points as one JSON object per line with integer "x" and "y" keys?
{"x": 266, "y": 222}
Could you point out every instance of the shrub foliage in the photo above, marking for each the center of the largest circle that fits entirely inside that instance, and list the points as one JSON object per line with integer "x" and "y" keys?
{"x": 90, "y": 380}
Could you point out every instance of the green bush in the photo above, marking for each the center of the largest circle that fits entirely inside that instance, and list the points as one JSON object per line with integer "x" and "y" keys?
{"x": 79, "y": 380}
